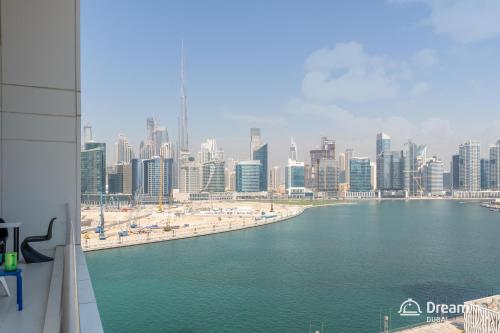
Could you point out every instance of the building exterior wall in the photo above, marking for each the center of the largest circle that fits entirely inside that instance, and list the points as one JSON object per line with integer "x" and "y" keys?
{"x": 40, "y": 115}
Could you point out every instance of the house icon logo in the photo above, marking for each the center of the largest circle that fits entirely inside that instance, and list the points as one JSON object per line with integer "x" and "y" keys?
{"x": 409, "y": 308}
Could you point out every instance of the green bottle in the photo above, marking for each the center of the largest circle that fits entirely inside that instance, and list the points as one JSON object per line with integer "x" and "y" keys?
{"x": 10, "y": 261}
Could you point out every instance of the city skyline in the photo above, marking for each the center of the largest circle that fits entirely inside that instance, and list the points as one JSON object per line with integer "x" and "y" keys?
{"x": 331, "y": 75}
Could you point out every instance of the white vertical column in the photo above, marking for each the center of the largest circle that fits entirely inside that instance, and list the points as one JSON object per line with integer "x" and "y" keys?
{"x": 40, "y": 114}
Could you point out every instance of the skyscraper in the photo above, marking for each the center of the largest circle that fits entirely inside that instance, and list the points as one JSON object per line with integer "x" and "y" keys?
{"x": 324, "y": 173}
{"x": 137, "y": 177}
{"x": 415, "y": 159}
{"x": 485, "y": 174}
{"x": 383, "y": 146}
{"x": 160, "y": 137}
{"x": 154, "y": 179}
{"x": 347, "y": 160}
{"x": 342, "y": 164}
{"x": 254, "y": 140}
{"x": 469, "y": 166}
{"x": 274, "y": 178}
{"x": 260, "y": 154}
{"x": 495, "y": 166}
{"x": 209, "y": 152}
{"x": 146, "y": 150}
{"x": 432, "y": 176}
{"x": 123, "y": 150}
{"x": 150, "y": 128}
{"x": 360, "y": 174}
{"x": 455, "y": 172}
{"x": 189, "y": 181}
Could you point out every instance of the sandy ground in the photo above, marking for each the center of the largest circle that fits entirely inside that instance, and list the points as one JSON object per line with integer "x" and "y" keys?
{"x": 148, "y": 224}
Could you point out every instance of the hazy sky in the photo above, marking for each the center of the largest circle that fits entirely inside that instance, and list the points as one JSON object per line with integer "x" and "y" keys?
{"x": 421, "y": 69}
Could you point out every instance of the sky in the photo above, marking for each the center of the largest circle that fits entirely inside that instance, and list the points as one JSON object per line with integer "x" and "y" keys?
{"x": 415, "y": 69}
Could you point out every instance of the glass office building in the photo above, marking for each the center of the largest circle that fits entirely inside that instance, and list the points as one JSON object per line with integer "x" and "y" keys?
{"x": 260, "y": 154}
{"x": 213, "y": 176}
{"x": 93, "y": 168}
{"x": 360, "y": 174}
{"x": 248, "y": 176}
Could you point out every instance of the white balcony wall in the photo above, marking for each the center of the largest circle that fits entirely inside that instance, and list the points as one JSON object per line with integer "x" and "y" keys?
{"x": 40, "y": 115}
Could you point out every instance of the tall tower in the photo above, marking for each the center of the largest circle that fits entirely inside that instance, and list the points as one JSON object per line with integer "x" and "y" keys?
{"x": 254, "y": 140}
{"x": 183, "y": 121}
{"x": 87, "y": 133}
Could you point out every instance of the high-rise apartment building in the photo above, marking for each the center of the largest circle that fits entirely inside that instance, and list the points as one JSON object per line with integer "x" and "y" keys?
{"x": 494, "y": 166}
{"x": 154, "y": 179}
{"x": 146, "y": 149}
{"x": 123, "y": 150}
{"x": 469, "y": 166}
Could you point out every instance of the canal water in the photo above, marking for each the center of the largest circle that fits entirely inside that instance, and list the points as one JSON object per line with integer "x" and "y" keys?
{"x": 344, "y": 267}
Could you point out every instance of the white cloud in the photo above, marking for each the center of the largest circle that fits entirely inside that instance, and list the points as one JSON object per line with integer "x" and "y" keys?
{"x": 464, "y": 20}
{"x": 348, "y": 73}
{"x": 359, "y": 132}
{"x": 426, "y": 57}
{"x": 420, "y": 88}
